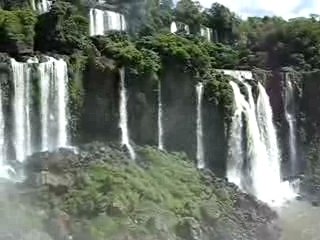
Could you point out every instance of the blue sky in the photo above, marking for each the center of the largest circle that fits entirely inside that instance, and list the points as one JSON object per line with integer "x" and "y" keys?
{"x": 284, "y": 8}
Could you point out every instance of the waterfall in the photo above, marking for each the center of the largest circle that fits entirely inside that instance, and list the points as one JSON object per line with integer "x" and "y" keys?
{"x": 21, "y": 110}
{"x": 236, "y": 151}
{"x": 268, "y": 132}
{"x": 53, "y": 120}
{"x": 289, "y": 111}
{"x": 43, "y": 6}
{"x": 206, "y": 33}
{"x": 53, "y": 88}
{"x": 160, "y": 116}
{"x": 262, "y": 152}
{"x": 123, "y": 123}
{"x": 257, "y": 153}
{"x": 96, "y": 22}
{"x": 173, "y": 27}
{"x": 102, "y": 21}
{"x": 200, "y": 151}
{"x": 115, "y": 21}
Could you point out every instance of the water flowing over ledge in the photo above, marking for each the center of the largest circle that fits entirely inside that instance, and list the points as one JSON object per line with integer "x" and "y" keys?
{"x": 254, "y": 156}
{"x": 200, "y": 149}
{"x": 123, "y": 122}
{"x": 42, "y": 6}
{"x": 36, "y": 127}
{"x": 102, "y": 21}
{"x": 289, "y": 111}
{"x": 160, "y": 120}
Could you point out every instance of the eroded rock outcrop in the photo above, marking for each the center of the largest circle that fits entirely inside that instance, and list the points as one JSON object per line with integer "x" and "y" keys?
{"x": 160, "y": 196}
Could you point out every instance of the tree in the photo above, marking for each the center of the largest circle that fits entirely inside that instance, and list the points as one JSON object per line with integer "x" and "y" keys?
{"x": 224, "y": 22}
{"x": 189, "y": 12}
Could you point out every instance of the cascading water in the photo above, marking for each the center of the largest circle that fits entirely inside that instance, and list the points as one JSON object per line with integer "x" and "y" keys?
{"x": 173, "y": 27}
{"x": 268, "y": 131}
{"x": 200, "y": 150}
{"x": 21, "y": 108}
{"x": 42, "y": 6}
{"x": 206, "y": 33}
{"x": 102, "y": 21}
{"x": 96, "y": 22}
{"x": 257, "y": 153}
{"x": 289, "y": 111}
{"x": 123, "y": 123}
{"x": 262, "y": 152}
{"x": 53, "y": 79}
{"x": 160, "y": 116}
{"x": 4, "y": 168}
{"x": 53, "y": 85}
{"x": 236, "y": 151}
{"x": 115, "y": 21}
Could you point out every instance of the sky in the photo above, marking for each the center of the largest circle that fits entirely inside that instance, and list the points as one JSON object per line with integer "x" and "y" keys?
{"x": 284, "y": 8}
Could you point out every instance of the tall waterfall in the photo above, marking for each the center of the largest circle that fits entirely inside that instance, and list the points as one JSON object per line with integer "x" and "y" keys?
{"x": 102, "y": 21}
{"x": 236, "y": 151}
{"x": 160, "y": 116}
{"x": 261, "y": 158}
{"x": 200, "y": 149}
{"x": 21, "y": 110}
{"x": 123, "y": 123}
{"x": 289, "y": 111}
{"x": 53, "y": 85}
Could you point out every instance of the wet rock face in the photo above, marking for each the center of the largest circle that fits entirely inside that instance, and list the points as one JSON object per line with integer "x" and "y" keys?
{"x": 179, "y": 111}
{"x": 100, "y": 117}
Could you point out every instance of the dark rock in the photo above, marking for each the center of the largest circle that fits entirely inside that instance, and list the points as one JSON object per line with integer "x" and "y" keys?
{"x": 189, "y": 229}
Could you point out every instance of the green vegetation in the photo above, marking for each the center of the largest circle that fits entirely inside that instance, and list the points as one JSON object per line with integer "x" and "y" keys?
{"x": 77, "y": 64}
{"x": 161, "y": 195}
{"x": 16, "y": 31}
{"x": 117, "y": 46}
{"x": 62, "y": 30}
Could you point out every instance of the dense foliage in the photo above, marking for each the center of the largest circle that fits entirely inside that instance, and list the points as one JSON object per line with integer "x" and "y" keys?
{"x": 62, "y": 30}
{"x": 117, "y": 46}
{"x": 16, "y": 31}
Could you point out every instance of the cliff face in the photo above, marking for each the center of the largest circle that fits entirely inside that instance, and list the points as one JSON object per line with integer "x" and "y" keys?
{"x": 143, "y": 108}
{"x": 100, "y": 115}
{"x": 179, "y": 102}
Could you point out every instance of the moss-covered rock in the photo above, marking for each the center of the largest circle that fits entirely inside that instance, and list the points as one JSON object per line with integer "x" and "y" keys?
{"x": 160, "y": 196}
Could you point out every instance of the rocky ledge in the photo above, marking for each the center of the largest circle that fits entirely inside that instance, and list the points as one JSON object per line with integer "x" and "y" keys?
{"x": 96, "y": 192}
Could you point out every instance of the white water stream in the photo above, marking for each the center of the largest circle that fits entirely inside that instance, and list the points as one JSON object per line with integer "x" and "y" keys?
{"x": 289, "y": 111}
{"x": 160, "y": 118}
{"x": 123, "y": 123}
{"x": 262, "y": 151}
{"x": 200, "y": 148}
{"x": 102, "y": 21}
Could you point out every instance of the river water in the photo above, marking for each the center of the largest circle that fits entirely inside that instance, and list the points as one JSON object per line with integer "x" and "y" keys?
{"x": 300, "y": 221}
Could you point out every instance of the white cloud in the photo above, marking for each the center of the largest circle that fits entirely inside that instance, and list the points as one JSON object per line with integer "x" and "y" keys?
{"x": 284, "y": 8}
